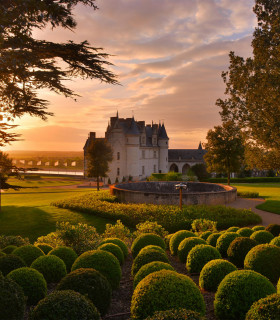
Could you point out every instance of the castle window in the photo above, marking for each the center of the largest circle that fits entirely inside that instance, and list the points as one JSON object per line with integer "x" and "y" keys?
{"x": 118, "y": 171}
{"x": 143, "y": 169}
{"x": 155, "y": 154}
{"x": 143, "y": 154}
{"x": 118, "y": 156}
{"x": 155, "y": 168}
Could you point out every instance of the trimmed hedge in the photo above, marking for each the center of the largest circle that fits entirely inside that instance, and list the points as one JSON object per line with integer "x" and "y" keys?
{"x": 9, "y": 263}
{"x": 262, "y": 236}
{"x": 114, "y": 249}
{"x": 166, "y": 290}
{"x": 238, "y": 291}
{"x": 28, "y": 253}
{"x": 205, "y": 235}
{"x": 90, "y": 283}
{"x": 274, "y": 229}
{"x": 244, "y": 180}
{"x": 65, "y": 305}
{"x": 9, "y": 249}
{"x": 224, "y": 242}
{"x": 186, "y": 245}
{"x": 167, "y": 239}
{"x": 151, "y": 247}
{"x": 275, "y": 241}
{"x": 104, "y": 262}
{"x": 232, "y": 229}
{"x": 212, "y": 239}
{"x": 213, "y": 273}
{"x": 245, "y": 232}
{"x": 199, "y": 256}
{"x": 66, "y": 254}
{"x": 46, "y": 248}
{"x": 176, "y": 314}
{"x": 32, "y": 283}
{"x": 265, "y": 259}
{"x": 257, "y": 228}
{"x": 119, "y": 243}
{"x": 177, "y": 238}
{"x": 144, "y": 240}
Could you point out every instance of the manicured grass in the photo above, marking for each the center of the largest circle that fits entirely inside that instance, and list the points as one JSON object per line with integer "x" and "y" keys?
{"x": 45, "y": 182}
{"x": 269, "y": 191}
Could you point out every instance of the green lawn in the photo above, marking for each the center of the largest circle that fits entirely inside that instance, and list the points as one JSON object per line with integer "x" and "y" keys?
{"x": 45, "y": 181}
{"x": 269, "y": 191}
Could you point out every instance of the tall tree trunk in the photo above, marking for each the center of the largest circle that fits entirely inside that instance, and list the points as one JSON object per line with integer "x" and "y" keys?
{"x": 228, "y": 178}
{"x": 98, "y": 183}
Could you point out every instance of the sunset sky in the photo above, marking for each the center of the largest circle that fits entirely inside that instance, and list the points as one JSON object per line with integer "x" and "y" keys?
{"x": 169, "y": 55}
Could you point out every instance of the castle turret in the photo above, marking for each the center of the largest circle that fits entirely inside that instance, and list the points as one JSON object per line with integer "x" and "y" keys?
{"x": 132, "y": 148}
{"x": 163, "y": 149}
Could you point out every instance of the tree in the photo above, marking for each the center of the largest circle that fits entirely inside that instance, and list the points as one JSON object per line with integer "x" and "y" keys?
{"x": 28, "y": 64}
{"x": 200, "y": 171}
{"x": 253, "y": 85}
{"x": 98, "y": 157}
{"x": 225, "y": 149}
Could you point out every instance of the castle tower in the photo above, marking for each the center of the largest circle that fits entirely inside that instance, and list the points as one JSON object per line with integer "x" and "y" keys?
{"x": 132, "y": 149}
{"x": 163, "y": 149}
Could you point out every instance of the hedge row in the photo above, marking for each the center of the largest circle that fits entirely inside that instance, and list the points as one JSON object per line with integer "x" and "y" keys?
{"x": 244, "y": 180}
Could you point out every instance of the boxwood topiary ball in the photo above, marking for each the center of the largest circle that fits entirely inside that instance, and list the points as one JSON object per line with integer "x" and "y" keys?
{"x": 245, "y": 232}
{"x": 65, "y": 305}
{"x": 152, "y": 247}
{"x": 205, "y": 235}
{"x": 66, "y": 254}
{"x": 150, "y": 268}
{"x": 257, "y": 228}
{"x": 52, "y": 268}
{"x": 176, "y": 314}
{"x": 28, "y": 253}
{"x": 119, "y": 243}
{"x": 213, "y": 273}
{"x": 114, "y": 249}
{"x": 212, "y": 239}
{"x": 177, "y": 238}
{"x": 265, "y": 259}
{"x": 9, "y": 263}
{"x": 238, "y": 291}
{"x": 238, "y": 250}
{"x": 147, "y": 257}
{"x": 90, "y": 283}
{"x": 275, "y": 241}
{"x": 104, "y": 262}
{"x": 265, "y": 308}
{"x": 262, "y": 236}
{"x": 12, "y": 300}
{"x": 274, "y": 229}
{"x": 166, "y": 290}
{"x": 144, "y": 240}
{"x": 2, "y": 254}
{"x": 167, "y": 239}
{"x": 232, "y": 229}
{"x": 186, "y": 245}
{"x": 9, "y": 249}
{"x": 46, "y": 248}
{"x": 199, "y": 256}
{"x": 32, "y": 283}
{"x": 224, "y": 241}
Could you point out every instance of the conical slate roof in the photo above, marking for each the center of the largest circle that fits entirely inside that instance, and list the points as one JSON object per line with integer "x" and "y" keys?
{"x": 133, "y": 128}
{"x": 162, "y": 132}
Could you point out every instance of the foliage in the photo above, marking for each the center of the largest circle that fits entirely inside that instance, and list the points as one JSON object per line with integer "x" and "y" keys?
{"x": 177, "y": 238}
{"x": 213, "y": 238}
{"x": 150, "y": 227}
{"x": 52, "y": 268}
{"x": 104, "y": 262}
{"x": 148, "y": 268}
{"x": 186, "y": 245}
{"x": 262, "y": 236}
{"x": 9, "y": 249}
{"x": 265, "y": 259}
{"x": 274, "y": 229}
{"x": 238, "y": 291}
{"x": 144, "y": 240}
{"x": 245, "y": 232}
{"x": 66, "y": 254}
{"x": 232, "y": 229}
{"x": 199, "y": 256}
{"x": 9, "y": 263}
{"x": 12, "y": 300}
{"x": 147, "y": 257}
{"x": 65, "y": 305}
{"x": 167, "y": 289}
{"x": 52, "y": 239}
{"x": 257, "y": 228}
{"x": 224, "y": 242}
{"x": 167, "y": 239}
{"x": 28, "y": 253}
{"x": 114, "y": 249}
{"x": 118, "y": 230}
{"x": 32, "y": 283}
{"x": 275, "y": 241}
{"x": 238, "y": 250}
{"x": 176, "y": 314}
{"x": 202, "y": 225}
{"x": 200, "y": 171}
{"x": 213, "y": 273}
{"x": 119, "y": 243}
{"x": 12, "y": 240}
{"x": 265, "y": 308}
{"x": 247, "y": 194}
{"x": 90, "y": 283}
{"x": 205, "y": 235}
{"x": 46, "y": 248}
{"x": 245, "y": 180}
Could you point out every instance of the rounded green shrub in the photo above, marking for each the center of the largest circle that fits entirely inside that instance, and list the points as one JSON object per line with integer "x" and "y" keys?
{"x": 150, "y": 268}
{"x": 65, "y": 305}
{"x": 177, "y": 238}
{"x": 265, "y": 259}
{"x": 213, "y": 273}
{"x": 9, "y": 249}
{"x": 274, "y": 229}
{"x": 147, "y": 257}
{"x": 12, "y": 300}
{"x": 257, "y": 228}
{"x": 238, "y": 250}
{"x": 262, "y": 236}
{"x": 167, "y": 239}
{"x": 232, "y": 229}
{"x": 212, "y": 239}
{"x": 52, "y": 268}
{"x": 2, "y": 254}
{"x": 176, "y": 314}
{"x": 119, "y": 243}
{"x": 245, "y": 232}
{"x": 166, "y": 290}
{"x": 9, "y": 263}
{"x": 199, "y": 256}
{"x": 32, "y": 283}
{"x": 90, "y": 283}
{"x": 224, "y": 242}
{"x": 205, "y": 235}
{"x": 66, "y": 254}
{"x": 186, "y": 245}
{"x": 46, "y": 248}
{"x": 238, "y": 291}
{"x": 114, "y": 249}
{"x": 104, "y": 262}
{"x": 275, "y": 241}
{"x": 28, "y": 253}
{"x": 152, "y": 247}
{"x": 144, "y": 240}
{"x": 265, "y": 308}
